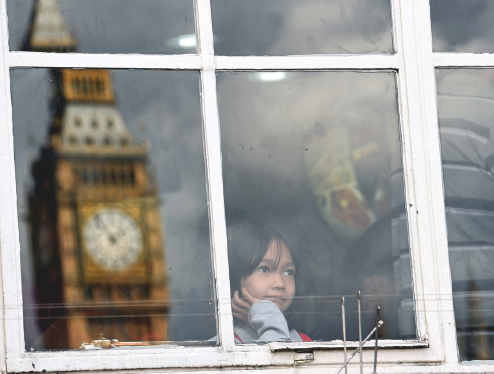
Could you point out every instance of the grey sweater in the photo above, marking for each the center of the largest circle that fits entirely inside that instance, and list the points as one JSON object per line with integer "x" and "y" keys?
{"x": 267, "y": 324}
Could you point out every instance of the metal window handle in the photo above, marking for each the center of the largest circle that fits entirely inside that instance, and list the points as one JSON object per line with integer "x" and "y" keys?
{"x": 344, "y": 334}
{"x": 360, "y": 334}
{"x": 378, "y": 319}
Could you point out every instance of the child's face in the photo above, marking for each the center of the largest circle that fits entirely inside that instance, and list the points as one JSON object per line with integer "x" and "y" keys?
{"x": 270, "y": 283}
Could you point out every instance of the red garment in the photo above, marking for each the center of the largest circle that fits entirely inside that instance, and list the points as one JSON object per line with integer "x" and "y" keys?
{"x": 304, "y": 337}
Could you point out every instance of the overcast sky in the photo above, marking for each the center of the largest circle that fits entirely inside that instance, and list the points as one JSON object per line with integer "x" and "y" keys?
{"x": 258, "y": 26}
{"x": 462, "y": 26}
{"x": 240, "y": 27}
{"x": 114, "y": 26}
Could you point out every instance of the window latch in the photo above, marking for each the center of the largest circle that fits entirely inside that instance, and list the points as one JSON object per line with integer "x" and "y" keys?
{"x": 303, "y": 357}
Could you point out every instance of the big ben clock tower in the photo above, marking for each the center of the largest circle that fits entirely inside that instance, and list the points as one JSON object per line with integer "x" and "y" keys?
{"x": 97, "y": 236}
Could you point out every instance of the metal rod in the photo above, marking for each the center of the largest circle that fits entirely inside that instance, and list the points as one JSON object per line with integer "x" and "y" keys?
{"x": 363, "y": 342}
{"x": 378, "y": 312}
{"x": 360, "y": 334}
{"x": 344, "y": 334}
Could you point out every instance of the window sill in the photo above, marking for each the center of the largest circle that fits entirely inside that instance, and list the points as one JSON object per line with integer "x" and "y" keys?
{"x": 338, "y": 344}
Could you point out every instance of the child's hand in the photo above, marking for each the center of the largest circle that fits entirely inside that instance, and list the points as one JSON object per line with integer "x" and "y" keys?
{"x": 241, "y": 306}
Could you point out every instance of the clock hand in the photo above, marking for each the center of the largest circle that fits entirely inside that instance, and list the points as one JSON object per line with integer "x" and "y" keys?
{"x": 112, "y": 239}
{"x": 102, "y": 224}
{"x": 111, "y": 227}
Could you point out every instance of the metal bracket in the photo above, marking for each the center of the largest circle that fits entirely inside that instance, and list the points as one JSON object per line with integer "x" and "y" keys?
{"x": 303, "y": 357}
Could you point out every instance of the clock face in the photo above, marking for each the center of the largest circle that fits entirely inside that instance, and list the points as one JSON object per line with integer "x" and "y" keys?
{"x": 113, "y": 239}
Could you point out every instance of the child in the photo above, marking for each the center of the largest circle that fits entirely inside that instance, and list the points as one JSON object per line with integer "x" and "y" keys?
{"x": 265, "y": 276}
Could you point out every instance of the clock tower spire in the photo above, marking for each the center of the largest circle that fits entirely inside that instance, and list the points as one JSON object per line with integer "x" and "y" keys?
{"x": 48, "y": 31}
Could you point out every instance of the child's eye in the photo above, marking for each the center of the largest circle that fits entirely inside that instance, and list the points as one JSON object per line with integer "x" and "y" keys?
{"x": 290, "y": 272}
{"x": 263, "y": 269}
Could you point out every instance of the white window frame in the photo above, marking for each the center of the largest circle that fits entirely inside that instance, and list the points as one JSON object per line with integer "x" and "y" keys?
{"x": 415, "y": 63}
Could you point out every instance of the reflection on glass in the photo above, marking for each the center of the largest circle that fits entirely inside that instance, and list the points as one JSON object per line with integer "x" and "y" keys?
{"x": 462, "y": 25}
{"x": 314, "y": 201}
{"x": 466, "y": 119}
{"x": 292, "y": 27}
{"x": 112, "y": 207}
{"x": 102, "y": 26}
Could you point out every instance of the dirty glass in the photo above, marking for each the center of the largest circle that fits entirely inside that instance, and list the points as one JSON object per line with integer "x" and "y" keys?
{"x": 466, "y": 125}
{"x": 292, "y": 27}
{"x": 312, "y": 162}
{"x": 113, "y": 218}
{"x": 102, "y": 26}
{"x": 462, "y": 25}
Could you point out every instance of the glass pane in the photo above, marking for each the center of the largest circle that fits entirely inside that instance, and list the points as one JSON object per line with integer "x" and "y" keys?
{"x": 311, "y": 162}
{"x": 462, "y": 25}
{"x": 112, "y": 204}
{"x": 466, "y": 123}
{"x": 293, "y": 27}
{"x": 102, "y": 26}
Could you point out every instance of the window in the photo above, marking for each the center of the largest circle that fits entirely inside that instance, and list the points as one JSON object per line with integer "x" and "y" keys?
{"x": 317, "y": 118}
{"x": 464, "y": 110}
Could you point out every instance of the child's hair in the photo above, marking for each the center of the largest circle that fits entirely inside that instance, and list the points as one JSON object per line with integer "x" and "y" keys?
{"x": 248, "y": 242}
